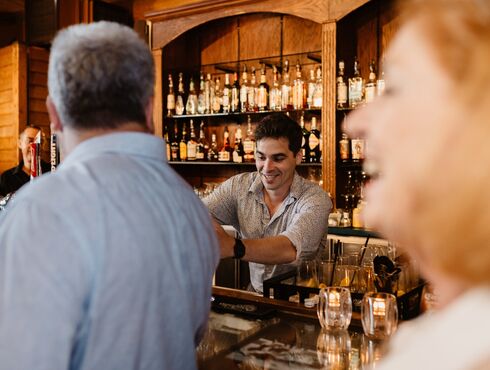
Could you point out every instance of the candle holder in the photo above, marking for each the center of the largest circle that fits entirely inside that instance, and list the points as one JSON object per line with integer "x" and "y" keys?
{"x": 334, "y": 308}
{"x": 379, "y": 315}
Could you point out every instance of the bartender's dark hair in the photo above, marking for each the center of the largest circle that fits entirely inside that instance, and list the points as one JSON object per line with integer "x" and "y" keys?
{"x": 101, "y": 75}
{"x": 279, "y": 125}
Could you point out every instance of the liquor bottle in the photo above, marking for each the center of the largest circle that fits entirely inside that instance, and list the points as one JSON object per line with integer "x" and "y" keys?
{"x": 183, "y": 144}
{"x": 244, "y": 91}
{"x": 314, "y": 143}
{"x": 167, "y": 146}
{"x": 201, "y": 97}
{"x": 318, "y": 92}
{"x": 275, "y": 92}
{"x": 192, "y": 144}
{"x": 238, "y": 148}
{"x": 344, "y": 148}
{"x": 55, "y": 152}
{"x": 356, "y": 87}
{"x": 263, "y": 91}
{"x": 357, "y": 149}
{"x": 311, "y": 86}
{"x": 213, "y": 149}
{"x": 202, "y": 145}
{"x": 380, "y": 85}
{"x": 252, "y": 93}
{"x": 249, "y": 143}
{"x": 179, "y": 104}
{"x": 208, "y": 93}
{"x": 170, "y": 97}
{"x": 341, "y": 87}
{"x": 226, "y": 99}
{"x": 191, "y": 105}
{"x": 235, "y": 94}
{"x": 224, "y": 155}
{"x": 216, "y": 102}
{"x": 174, "y": 144}
{"x": 306, "y": 136}
{"x": 286, "y": 96}
{"x": 298, "y": 89}
{"x": 370, "y": 90}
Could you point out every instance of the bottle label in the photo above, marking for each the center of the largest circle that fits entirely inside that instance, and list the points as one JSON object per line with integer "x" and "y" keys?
{"x": 224, "y": 156}
{"x": 357, "y": 149}
{"x": 370, "y": 93}
{"x": 226, "y": 98}
{"x": 344, "y": 149}
{"x": 313, "y": 142}
{"x": 262, "y": 97}
{"x": 183, "y": 152}
{"x": 170, "y": 101}
{"x": 342, "y": 93}
{"x": 248, "y": 146}
{"x": 191, "y": 151}
{"x": 237, "y": 158}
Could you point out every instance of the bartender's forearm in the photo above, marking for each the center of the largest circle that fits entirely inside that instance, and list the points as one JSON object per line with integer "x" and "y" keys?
{"x": 273, "y": 250}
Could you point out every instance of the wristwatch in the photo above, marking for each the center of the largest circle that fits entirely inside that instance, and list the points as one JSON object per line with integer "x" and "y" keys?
{"x": 238, "y": 249}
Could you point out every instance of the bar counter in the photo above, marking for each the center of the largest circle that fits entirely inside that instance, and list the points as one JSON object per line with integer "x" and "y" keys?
{"x": 273, "y": 334}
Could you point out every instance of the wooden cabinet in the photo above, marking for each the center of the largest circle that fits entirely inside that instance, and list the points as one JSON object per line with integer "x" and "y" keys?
{"x": 210, "y": 35}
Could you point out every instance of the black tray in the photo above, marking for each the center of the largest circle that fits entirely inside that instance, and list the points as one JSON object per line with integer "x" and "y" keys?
{"x": 284, "y": 286}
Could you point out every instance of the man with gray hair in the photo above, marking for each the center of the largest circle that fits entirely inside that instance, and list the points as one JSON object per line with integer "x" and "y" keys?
{"x": 107, "y": 263}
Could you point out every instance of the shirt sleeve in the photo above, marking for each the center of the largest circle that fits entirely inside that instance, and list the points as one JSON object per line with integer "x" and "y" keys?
{"x": 222, "y": 203}
{"x": 42, "y": 289}
{"x": 309, "y": 224}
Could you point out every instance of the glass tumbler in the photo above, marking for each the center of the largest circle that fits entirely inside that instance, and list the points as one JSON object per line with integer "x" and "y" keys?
{"x": 379, "y": 315}
{"x": 334, "y": 308}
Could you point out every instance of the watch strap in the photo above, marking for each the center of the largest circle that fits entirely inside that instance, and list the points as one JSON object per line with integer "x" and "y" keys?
{"x": 238, "y": 249}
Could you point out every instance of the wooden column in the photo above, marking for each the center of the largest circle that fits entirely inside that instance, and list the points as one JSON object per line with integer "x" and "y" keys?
{"x": 157, "y": 99}
{"x": 329, "y": 34}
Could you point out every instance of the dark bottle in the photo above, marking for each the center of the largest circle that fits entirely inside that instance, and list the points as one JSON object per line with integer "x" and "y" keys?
{"x": 304, "y": 141}
{"x": 174, "y": 144}
{"x": 314, "y": 143}
{"x": 202, "y": 145}
{"x": 213, "y": 149}
{"x": 238, "y": 151}
{"x": 235, "y": 94}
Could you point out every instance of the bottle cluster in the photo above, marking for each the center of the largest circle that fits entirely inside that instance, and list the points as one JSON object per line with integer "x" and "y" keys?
{"x": 356, "y": 91}
{"x": 311, "y": 145}
{"x": 184, "y": 145}
{"x": 351, "y": 150}
{"x": 248, "y": 94}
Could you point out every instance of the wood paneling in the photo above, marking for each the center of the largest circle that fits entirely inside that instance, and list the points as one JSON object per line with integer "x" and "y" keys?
{"x": 11, "y": 6}
{"x": 11, "y": 28}
{"x": 260, "y": 35}
{"x": 12, "y": 102}
{"x": 218, "y": 41}
{"x": 41, "y": 21}
{"x": 37, "y": 87}
{"x": 301, "y": 35}
{"x": 157, "y": 98}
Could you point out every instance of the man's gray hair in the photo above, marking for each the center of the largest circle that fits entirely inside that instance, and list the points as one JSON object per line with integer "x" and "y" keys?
{"x": 100, "y": 75}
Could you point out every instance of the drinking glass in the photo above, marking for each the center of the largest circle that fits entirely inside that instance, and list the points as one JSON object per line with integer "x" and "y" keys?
{"x": 379, "y": 315}
{"x": 307, "y": 273}
{"x": 334, "y": 308}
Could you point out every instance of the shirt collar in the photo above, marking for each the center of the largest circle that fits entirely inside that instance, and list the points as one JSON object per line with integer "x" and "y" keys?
{"x": 130, "y": 143}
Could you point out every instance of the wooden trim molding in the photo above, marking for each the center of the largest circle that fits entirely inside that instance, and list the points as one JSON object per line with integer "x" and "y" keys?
{"x": 158, "y": 94}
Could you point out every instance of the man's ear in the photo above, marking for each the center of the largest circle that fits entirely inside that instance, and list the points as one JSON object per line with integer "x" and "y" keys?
{"x": 299, "y": 157}
{"x": 149, "y": 116}
{"x": 55, "y": 125}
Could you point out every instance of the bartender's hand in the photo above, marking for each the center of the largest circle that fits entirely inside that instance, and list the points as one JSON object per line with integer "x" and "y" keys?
{"x": 226, "y": 242}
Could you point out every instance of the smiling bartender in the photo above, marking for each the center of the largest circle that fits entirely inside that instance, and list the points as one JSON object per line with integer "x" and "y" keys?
{"x": 280, "y": 216}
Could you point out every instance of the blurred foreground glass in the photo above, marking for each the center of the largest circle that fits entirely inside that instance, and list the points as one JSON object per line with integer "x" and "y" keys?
{"x": 379, "y": 315}
{"x": 334, "y": 308}
{"x": 307, "y": 273}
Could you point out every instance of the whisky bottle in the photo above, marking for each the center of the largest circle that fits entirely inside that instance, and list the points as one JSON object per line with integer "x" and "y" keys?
{"x": 252, "y": 93}
{"x": 341, "y": 87}
{"x": 167, "y": 147}
{"x": 202, "y": 145}
{"x": 314, "y": 143}
{"x": 263, "y": 91}
{"x": 216, "y": 98}
{"x": 174, "y": 144}
{"x": 201, "y": 97}
{"x": 183, "y": 144}
{"x": 249, "y": 143}
{"x": 356, "y": 87}
{"x": 208, "y": 92}
{"x": 318, "y": 92}
{"x": 238, "y": 148}
{"x": 191, "y": 105}
{"x": 370, "y": 90}
{"x": 213, "y": 149}
{"x": 286, "y": 96}
{"x": 224, "y": 155}
{"x": 179, "y": 104}
{"x": 192, "y": 144}
{"x": 275, "y": 92}
{"x": 344, "y": 148}
{"x": 170, "y": 97}
{"x": 298, "y": 89}
{"x": 235, "y": 94}
{"x": 226, "y": 99}
{"x": 311, "y": 86}
{"x": 357, "y": 149}
{"x": 306, "y": 136}
{"x": 244, "y": 91}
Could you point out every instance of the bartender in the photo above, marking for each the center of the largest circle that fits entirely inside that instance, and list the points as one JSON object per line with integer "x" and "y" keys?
{"x": 280, "y": 216}
{"x": 15, "y": 177}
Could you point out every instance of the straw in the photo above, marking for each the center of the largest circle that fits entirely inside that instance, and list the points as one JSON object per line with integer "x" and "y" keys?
{"x": 335, "y": 256}
{"x": 360, "y": 260}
